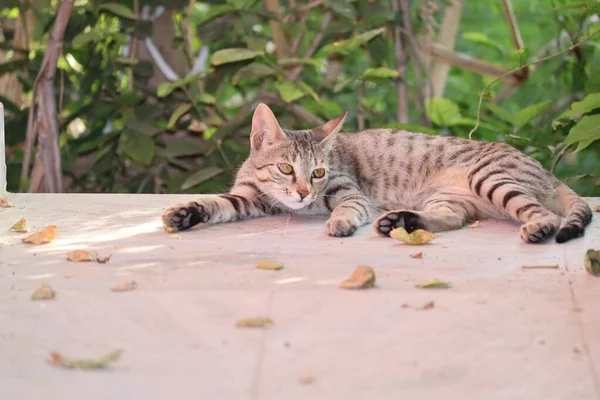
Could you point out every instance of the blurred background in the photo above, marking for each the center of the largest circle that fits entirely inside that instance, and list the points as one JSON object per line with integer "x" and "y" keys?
{"x": 157, "y": 96}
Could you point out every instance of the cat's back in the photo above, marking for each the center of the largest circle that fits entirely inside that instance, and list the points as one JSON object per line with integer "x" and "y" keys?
{"x": 387, "y": 147}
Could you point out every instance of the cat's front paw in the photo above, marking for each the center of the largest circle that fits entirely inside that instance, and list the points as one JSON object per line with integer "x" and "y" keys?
{"x": 341, "y": 227}
{"x": 398, "y": 219}
{"x": 183, "y": 216}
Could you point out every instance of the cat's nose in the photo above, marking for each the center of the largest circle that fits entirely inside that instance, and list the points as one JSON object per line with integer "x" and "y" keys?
{"x": 303, "y": 193}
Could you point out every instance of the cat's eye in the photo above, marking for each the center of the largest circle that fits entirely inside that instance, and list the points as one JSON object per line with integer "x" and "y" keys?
{"x": 285, "y": 168}
{"x": 318, "y": 173}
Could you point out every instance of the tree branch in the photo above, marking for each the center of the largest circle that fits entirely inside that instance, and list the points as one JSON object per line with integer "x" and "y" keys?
{"x": 401, "y": 93}
{"x": 295, "y": 74}
{"x": 278, "y": 35}
{"x": 42, "y": 120}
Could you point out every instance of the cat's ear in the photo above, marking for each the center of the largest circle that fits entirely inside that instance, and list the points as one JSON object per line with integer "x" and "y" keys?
{"x": 330, "y": 128}
{"x": 265, "y": 128}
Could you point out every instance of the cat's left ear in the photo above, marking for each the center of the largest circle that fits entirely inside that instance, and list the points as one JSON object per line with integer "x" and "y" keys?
{"x": 330, "y": 128}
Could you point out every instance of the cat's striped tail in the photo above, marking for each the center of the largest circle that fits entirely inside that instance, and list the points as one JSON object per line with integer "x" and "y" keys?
{"x": 577, "y": 212}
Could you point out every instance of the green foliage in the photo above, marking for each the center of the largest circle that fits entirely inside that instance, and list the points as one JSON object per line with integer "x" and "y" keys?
{"x": 124, "y": 128}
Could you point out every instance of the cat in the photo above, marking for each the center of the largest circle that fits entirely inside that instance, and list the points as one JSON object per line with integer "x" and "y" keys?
{"x": 395, "y": 177}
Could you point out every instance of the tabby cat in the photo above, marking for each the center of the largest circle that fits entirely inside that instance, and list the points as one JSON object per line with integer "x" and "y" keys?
{"x": 405, "y": 179}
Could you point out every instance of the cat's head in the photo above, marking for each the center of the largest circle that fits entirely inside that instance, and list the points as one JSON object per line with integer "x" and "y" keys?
{"x": 291, "y": 166}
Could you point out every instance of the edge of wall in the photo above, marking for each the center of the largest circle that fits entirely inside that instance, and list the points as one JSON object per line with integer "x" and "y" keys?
{"x": 2, "y": 153}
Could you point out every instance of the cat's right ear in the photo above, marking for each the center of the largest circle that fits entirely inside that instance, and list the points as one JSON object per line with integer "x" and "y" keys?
{"x": 265, "y": 128}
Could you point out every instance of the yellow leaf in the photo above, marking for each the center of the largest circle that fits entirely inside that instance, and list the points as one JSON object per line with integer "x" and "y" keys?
{"x": 434, "y": 284}
{"x": 258, "y": 322}
{"x": 419, "y": 236}
{"x": 592, "y": 262}
{"x": 272, "y": 265}
{"x": 20, "y": 226}
{"x": 44, "y": 292}
{"x": 125, "y": 287}
{"x": 59, "y": 360}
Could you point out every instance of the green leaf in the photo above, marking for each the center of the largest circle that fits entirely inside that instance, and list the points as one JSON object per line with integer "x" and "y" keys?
{"x": 290, "y": 92}
{"x": 182, "y": 147}
{"x": 412, "y": 128}
{"x": 144, "y": 127}
{"x": 119, "y": 10}
{"x": 178, "y": 113}
{"x": 527, "y": 114}
{"x": 588, "y": 129}
{"x": 500, "y": 112}
{"x": 482, "y": 38}
{"x": 200, "y": 176}
{"x": 309, "y": 91}
{"x": 342, "y": 8}
{"x": 583, "y": 145}
{"x": 206, "y": 98}
{"x": 345, "y": 47}
{"x": 376, "y": 74}
{"x": 84, "y": 38}
{"x": 573, "y": 179}
{"x": 227, "y": 56}
{"x": 138, "y": 147}
{"x": 589, "y": 103}
{"x": 442, "y": 112}
{"x": 165, "y": 89}
{"x": 290, "y": 62}
{"x": 252, "y": 71}
{"x": 341, "y": 85}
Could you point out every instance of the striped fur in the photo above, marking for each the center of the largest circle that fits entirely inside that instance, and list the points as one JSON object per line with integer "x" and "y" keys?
{"x": 410, "y": 180}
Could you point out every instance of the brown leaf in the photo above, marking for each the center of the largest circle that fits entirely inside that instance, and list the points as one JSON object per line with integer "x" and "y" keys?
{"x": 61, "y": 361}
{"x": 5, "y": 203}
{"x": 82, "y": 255}
{"x": 125, "y": 287}
{"x": 257, "y": 322}
{"x": 427, "y": 306}
{"x": 307, "y": 378}
{"x": 44, "y": 292}
{"x": 474, "y": 224}
{"x": 272, "y": 265}
{"x": 417, "y": 255}
{"x": 597, "y": 209}
{"x": 46, "y": 235}
{"x": 20, "y": 226}
{"x": 363, "y": 277}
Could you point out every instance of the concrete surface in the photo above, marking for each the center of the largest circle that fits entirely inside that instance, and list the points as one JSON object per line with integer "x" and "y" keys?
{"x": 501, "y": 332}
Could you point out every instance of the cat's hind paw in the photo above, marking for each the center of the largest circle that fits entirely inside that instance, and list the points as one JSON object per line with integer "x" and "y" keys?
{"x": 183, "y": 216}
{"x": 398, "y": 219}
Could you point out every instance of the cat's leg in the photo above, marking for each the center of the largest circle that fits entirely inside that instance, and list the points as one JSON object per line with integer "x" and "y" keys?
{"x": 512, "y": 193}
{"x": 349, "y": 207}
{"x": 440, "y": 213}
{"x": 242, "y": 202}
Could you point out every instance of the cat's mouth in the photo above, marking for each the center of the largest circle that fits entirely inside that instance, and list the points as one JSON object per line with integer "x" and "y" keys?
{"x": 297, "y": 204}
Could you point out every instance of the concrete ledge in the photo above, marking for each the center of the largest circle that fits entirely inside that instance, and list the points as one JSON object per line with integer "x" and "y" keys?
{"x": 500, "y": 332}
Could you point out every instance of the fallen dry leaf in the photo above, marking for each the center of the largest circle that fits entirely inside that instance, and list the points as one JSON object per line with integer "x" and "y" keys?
{"x": 44, "y": 292}
{"x": 592, "y": 262}
{"x": 307, "y": 378}
{"x": 419, "y": 236}
{"x": 125, "y": 287}
{"x": 257, "y": 322}
{"x": 46, "y": 235}
{"x": 82, "y": 255}
{"x": 61, "y": 361}
{"x": 176, "y": 236}
{"x": 427, "y": 306}
{"x": 597, "y": 209}
{"x": 5, "y": 203}
{"x": 86, "y": 255}
{"x": 417, "y": 255}
{"x": 272, "y": 265}
{"x": 170, "y": 229}
{"x": 474, "y": 224}
{"x": 434, "y": 284}
{"x": 363, "y": 277}
{"x": 539, "y": 266}
{"x": 20, "y": 226}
